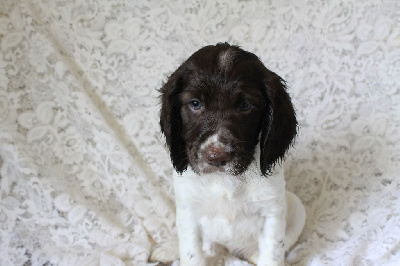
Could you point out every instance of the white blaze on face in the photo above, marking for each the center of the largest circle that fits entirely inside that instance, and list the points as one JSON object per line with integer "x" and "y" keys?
{"x": 226, "y": 59}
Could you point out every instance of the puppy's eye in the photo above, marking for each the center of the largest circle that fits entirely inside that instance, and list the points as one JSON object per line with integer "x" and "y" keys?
{"x": 195, "y": 104}
{"x": 244, "y": 106}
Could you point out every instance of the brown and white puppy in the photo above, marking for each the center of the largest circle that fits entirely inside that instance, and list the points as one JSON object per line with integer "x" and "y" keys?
{"x": 228, "y": 120}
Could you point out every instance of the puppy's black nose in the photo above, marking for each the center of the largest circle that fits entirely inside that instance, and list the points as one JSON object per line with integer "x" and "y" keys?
{"x": 217, "y": 156}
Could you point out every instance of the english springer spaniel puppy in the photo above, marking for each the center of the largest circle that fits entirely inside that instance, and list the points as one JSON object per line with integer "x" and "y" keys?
{"x": 228, "y": 122}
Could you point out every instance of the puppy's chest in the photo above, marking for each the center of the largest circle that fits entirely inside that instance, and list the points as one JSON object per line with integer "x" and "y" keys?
{"x": 227, "y": 212}
{"x": 221, "y": 199}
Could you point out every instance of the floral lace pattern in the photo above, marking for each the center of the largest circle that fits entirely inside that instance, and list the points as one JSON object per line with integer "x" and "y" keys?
{"x": 85, "y": 177}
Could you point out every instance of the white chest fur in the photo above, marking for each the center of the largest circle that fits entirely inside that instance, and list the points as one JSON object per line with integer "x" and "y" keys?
{"x": 228, "y": 210}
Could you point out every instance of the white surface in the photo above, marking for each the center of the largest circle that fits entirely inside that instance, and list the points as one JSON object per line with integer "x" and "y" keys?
{"x": 85, "y": 178}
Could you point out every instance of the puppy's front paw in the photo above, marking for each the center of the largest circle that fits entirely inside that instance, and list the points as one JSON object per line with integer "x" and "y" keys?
{"x": 165, "y": 252}
{"x": 254, "y": 258}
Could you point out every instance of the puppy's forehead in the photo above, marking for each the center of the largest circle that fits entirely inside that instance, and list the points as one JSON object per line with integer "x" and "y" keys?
{"x": 223, "y": 71}
{"x": 225, "y": 62}
{"x": 213, "y": 90}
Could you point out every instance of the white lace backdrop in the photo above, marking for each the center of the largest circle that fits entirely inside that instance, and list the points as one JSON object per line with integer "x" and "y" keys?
{"x": 85, "y": 177}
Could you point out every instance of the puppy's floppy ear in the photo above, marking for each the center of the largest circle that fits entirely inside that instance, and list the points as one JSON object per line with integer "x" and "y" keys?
{"x": 279, "y": 126}
{"x": 171, "y": 121}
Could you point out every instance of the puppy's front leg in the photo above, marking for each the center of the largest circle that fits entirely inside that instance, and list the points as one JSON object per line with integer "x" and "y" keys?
{"x": 271, "y": 245}
{"x": 190, "y": 247}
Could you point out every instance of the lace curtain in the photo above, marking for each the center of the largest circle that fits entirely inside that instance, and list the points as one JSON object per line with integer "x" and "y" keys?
{"x": 85, "y": 177}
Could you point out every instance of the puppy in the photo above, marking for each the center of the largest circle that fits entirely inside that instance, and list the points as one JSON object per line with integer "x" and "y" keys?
{"x": 228, "y": 121}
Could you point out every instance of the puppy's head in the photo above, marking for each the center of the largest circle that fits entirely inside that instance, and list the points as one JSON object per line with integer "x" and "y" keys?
{"x": 218, "y": 105}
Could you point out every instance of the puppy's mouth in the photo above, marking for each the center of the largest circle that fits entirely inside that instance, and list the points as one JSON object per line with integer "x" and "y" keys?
{"x": 214, "y": 169}
{"x": 230, "y": 169}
